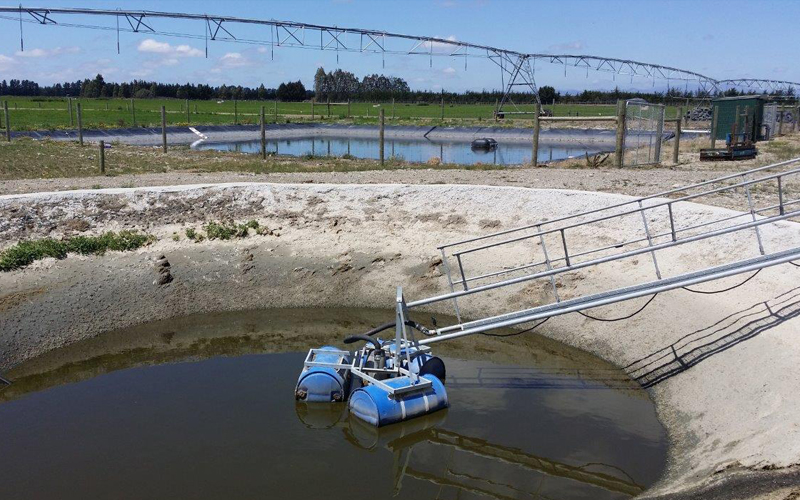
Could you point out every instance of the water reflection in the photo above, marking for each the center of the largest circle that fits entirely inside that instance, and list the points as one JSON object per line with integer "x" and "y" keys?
{"x": 182, "y": 408}
{"x": 416, "y": 151}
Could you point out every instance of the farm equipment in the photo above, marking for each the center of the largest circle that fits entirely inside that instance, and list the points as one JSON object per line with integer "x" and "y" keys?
{"x": 398, "y": 378}
{"x": 737, "y": 147}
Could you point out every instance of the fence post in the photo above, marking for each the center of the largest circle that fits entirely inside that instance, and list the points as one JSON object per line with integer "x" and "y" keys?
{"x": 276, "y": 110}
{"x": 235, "y": 113}
{"x": 495, "y": 110}
{"x": 619, "y": 149}
{"x": 329, "y": 106}
{"x": 69, "y": 109}
{"x": 164, "y": 128}
{"x": 188, "y": 112}
{"x": 442, "y": 113}
{"x": 8, "y": 122}
{"x": 312, "y": 108}
{"x": 780, "y": 120}
{"x": 80, "y": 125}
{"x": 676, "y": 147}
{"x": 383, "y": 116}
{"x": 535, "y": 145}
{"x": 796, "y": 119}
{"x": 392, "y": 108}
{"x": 102, "y": 157}
{"x": 348, "y": 108}
{"x": 714, "y": 122}
{"x": 263, "y": 136}
{"x": 133, "y": 112}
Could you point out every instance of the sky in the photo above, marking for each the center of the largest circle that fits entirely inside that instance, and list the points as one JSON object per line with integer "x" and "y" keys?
{"x": 721, "y": 39}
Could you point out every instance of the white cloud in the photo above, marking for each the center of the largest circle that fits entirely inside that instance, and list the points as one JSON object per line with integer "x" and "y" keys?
{"x": 48, "y": 52}
{"x": 188, "y": 51}
{"x": 152, "y": 46}
{"x": 233, "y": 60}
{"x": 449, "y": 70}
{"x": 573, "y": 45}
{"x": 6, "y": 63}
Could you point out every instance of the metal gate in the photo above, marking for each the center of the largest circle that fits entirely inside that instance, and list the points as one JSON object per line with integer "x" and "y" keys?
{"x": 769, "y": 121}
{"x": 644, "y": 130}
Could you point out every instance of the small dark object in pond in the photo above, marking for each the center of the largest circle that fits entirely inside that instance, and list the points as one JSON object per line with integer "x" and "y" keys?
{"x": 486, "y": 143}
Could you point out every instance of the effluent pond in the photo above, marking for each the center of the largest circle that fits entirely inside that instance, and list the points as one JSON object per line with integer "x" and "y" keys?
{"x": 415, "y": 151}
{"x": 204, "y": 407}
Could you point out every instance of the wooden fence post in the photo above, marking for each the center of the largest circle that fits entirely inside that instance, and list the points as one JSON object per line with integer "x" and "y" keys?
{"x": 348, "y": 108}
{"x": 780, "y": 120}
{"x": 80, "y": 125}
{"x": 276, "y": 110}
{"x": 133, "y": 112}
{"x": 7, "y": 120}
{"x": 69, "y": 109}
{"x": 235, "y": 113}
{"x": 676, "y": 147}
{"x": 714, "y": 122}
{"x": 312, "y": 107}
{"x": 442, "y": 113}
{"x": 164, "y": 128}
{"x": 102, "y": 157}
{"x": 263, "y": 136}
{"x": 619, "y": 149}
{"x": 383, "y": 116}
{"x": 188, "y": 112}
{"x": 535, "y": 145}
{"x": 392, "y": 108}
{"x": 329, "y": 106}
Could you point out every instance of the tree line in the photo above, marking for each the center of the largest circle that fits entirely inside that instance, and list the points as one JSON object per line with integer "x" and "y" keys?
{"x": 337, "y": 86}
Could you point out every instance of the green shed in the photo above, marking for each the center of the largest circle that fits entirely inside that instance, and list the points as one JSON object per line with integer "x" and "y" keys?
{"x": 750, "y": 106}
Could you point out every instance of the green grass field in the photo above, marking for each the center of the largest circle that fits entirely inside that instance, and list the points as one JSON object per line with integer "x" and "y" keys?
{"x": 44, "y": 113}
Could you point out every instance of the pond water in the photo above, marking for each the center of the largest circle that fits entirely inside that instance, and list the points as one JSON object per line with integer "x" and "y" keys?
{"x": 415, "y": 151}
{"x": 203, "y": 407}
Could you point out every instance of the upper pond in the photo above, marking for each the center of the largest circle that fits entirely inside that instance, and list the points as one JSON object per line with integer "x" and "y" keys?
{"x": 203, "y": 407}
{"x": 415, "y": 151}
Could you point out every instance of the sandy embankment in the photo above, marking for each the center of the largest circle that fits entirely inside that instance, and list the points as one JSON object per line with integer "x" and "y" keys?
{"x": 733, "y": 417}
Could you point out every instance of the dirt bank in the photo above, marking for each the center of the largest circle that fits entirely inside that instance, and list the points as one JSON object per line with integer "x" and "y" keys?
{"x": 734, "y": 414}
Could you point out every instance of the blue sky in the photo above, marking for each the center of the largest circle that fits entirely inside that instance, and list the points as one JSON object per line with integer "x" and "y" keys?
{"x": 722, "y": 39}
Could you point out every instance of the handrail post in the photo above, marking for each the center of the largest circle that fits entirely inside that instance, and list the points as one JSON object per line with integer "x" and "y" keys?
{"x": 564, "y": 244}
{"x": 461, "y": 270}
{"x": 780, "y": 196}
{"x": 672, "y": 222}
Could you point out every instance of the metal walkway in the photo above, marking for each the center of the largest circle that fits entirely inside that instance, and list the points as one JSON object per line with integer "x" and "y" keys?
{"x": 663, "y": 229}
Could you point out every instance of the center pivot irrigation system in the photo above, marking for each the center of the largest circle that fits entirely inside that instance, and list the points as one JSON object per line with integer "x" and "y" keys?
{"x": 398, "y": 378}
{"x": 517, "y": 69}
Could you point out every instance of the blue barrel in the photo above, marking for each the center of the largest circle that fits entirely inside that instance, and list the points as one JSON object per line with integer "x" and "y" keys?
{"x": 373, "y": 405}
{"x": 319, "y": 384}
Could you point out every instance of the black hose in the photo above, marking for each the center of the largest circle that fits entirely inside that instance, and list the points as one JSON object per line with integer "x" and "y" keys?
{"x": 537, "y": 325}
{"x": 726, "y": 289}
{"x": 611, "y": 320}
{"x": 355, "y": 338}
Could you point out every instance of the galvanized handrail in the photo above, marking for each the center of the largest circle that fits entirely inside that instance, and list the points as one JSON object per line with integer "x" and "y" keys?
{"x": 630, "y": 212}
{"x": 622, "y": 204}
{"x": 668, "y": 234}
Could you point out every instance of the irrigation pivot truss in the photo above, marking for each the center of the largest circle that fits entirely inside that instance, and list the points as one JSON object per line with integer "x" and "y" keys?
{"x": 517, "y": 69}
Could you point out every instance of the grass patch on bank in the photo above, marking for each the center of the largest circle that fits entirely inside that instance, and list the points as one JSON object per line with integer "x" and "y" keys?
{"x": 25, "y": 253}
{"x": 221, "y": 230}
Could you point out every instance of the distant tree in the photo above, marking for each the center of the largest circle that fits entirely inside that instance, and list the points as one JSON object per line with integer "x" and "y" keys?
{"x": 262, "y": 92}
{"x": 291, "y": 92}
{"x": 548, "y": 94}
